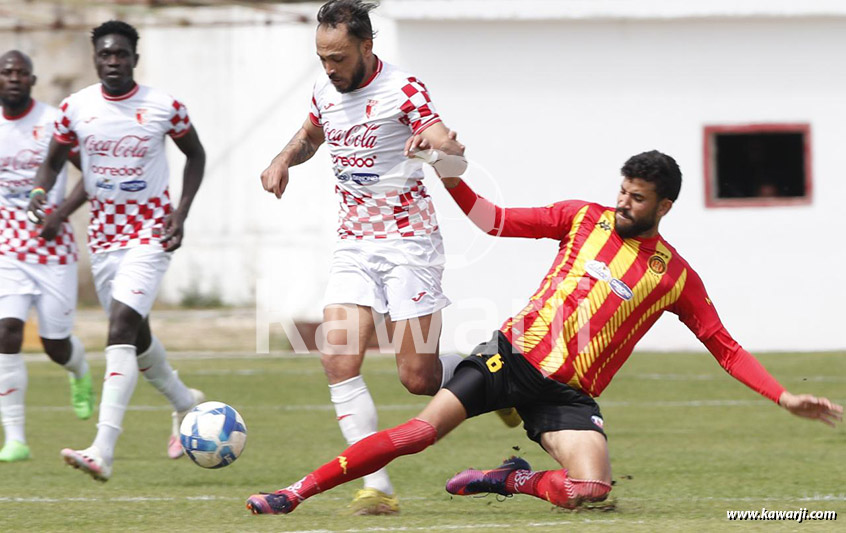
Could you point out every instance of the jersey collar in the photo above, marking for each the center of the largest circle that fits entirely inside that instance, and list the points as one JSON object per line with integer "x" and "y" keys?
{"x": 648, "y": 243}
{"x": 376, "y": 72}
{"x": 124, "y": 96}
{"x": 22, "y": 115}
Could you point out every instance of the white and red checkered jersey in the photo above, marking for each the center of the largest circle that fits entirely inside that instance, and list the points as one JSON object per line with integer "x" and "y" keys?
{"x": 122, "y": 143}
{"x": 23, "y": 145}
{"x": 381, "y": 192}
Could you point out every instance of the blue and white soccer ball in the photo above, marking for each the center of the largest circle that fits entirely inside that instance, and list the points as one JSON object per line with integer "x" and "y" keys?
{"x": 213, "y": 434}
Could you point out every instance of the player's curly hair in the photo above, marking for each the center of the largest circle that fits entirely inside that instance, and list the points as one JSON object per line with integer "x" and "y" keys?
{"x": 113, "y": 27}
{"x": 657, "y": 168}
{"x": 355, "y": 14}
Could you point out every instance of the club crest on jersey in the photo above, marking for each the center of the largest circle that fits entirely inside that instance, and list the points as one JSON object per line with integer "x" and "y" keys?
{"x": 141, "y": 115}
{"x": 370, "y": 109}
{"x": 657, "y": 265}
{"x": 38, "y": 132}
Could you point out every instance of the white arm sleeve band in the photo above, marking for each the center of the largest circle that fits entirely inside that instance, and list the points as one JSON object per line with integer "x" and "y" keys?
{"x": 447, "y": 166}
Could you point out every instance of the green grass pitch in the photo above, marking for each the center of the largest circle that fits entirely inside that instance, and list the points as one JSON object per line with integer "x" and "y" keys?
{"x": 687, "y": 443}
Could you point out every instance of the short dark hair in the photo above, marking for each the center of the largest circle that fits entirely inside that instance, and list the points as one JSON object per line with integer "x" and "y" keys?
{"x": 352, "y": 13}
{"x": 115, "y": 27}
{"x": 657, "y": 168}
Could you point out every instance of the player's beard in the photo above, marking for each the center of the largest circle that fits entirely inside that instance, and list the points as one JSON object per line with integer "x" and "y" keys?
{"x": 637, "y": 226}
{"x": 357, "y": 77}
{"x": 14, "y": 103}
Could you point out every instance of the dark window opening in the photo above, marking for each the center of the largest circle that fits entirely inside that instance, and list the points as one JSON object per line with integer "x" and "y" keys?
{"x": 754, "y": 165}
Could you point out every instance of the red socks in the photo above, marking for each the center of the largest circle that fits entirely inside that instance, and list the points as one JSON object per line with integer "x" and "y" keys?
{"x": 368, "y": 455}
{"x": 377, "y": 450}
{"x": 555, "y": 487}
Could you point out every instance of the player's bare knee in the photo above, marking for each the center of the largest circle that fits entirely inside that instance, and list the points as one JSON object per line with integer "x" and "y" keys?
{"x": 335, "y": 360}
{"x": 418, "y": 383}
{"x": 11, "y": 335}
{"x": 583, "y": 453}
{"x": 59, "y": 350}
{"x": 119, "y": 334}
{"x": 338, "y": 342}
{"x": 122, "y": 331}
{"x": 340, "y": 366}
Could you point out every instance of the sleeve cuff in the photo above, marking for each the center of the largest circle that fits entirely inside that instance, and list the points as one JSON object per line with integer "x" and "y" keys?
{"x": 431, "y": 122}
{"x": 63, "y": 139}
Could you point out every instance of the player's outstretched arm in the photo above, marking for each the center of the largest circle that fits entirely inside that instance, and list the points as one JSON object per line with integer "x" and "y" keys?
{"x": 300, "y": 149}
{"x": 808, "y": 406}
{"x": 439, "y": 147}
{"x": 696, "y": 310}
{"x": 53, "y": 221}
{"x": 45, "y": 178}
{"x": 449, "y": 163}
{"x": 192, "y": 176}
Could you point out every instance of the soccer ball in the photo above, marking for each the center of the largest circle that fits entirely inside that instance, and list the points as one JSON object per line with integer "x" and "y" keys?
{"x": 213, "y": 434}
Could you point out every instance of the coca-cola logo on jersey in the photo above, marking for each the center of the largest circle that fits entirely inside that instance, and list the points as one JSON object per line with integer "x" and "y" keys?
{"x": 23, "y": 160}
{"x": 359, "y": 136}
{"x": 126, "y": 146}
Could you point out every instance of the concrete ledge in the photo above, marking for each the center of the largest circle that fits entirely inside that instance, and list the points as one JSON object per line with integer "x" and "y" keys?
{"x": 408, "y": 10}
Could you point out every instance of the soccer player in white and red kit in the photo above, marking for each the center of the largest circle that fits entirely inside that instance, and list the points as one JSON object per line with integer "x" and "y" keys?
{"x": 34, "y": 272}
{"x": 389, "y": 256}
{"x": 121, "y": 128}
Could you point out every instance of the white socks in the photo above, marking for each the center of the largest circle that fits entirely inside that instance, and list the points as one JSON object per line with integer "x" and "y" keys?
{"x": 76, "y": 365}
{"x": 118, "y": 386}
{"x": 13, "y": 381}
{"x": 358, "y": 419}
{"x": 449, "y": 362}
{"x": 153, "y": 364}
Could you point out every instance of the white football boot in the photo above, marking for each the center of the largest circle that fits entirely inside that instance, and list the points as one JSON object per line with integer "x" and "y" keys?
{"x": 90, "y": 461}
{"x": 174, "y": 446}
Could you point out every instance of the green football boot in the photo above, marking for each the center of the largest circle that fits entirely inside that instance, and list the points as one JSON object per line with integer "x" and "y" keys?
{"x": 82, "y": 396}
{"x": 14, "y": 450}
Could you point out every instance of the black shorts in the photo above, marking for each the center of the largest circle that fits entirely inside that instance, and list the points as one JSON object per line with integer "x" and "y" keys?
{"x": 494, "y": 376}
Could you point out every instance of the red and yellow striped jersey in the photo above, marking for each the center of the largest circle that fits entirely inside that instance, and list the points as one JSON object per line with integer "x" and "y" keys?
{"x": 602, "y": 294}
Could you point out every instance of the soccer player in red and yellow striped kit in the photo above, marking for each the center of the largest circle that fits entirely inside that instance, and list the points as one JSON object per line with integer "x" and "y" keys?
{"x": 613, "y": 277}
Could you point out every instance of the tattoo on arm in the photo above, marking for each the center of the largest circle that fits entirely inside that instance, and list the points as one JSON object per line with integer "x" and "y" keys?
{"x": 301, "y": 150}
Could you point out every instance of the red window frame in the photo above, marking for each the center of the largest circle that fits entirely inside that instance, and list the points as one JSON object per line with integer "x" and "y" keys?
{"x": 710, "y": 168}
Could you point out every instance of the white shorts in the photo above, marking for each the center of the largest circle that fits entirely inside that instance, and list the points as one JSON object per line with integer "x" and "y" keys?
{"x": 50, "y": 288}
{"x": 131, "y": 276}
{"x": 401, "y": 277}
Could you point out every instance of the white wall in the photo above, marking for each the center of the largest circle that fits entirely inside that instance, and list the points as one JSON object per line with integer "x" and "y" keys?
{"x": 549, "y": 110}
{"x": 554, "y": 109}
{"x": 247, "y": 90}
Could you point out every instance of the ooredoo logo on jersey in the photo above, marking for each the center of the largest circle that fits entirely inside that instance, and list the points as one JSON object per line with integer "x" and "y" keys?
{"x": 354, "y": 161}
